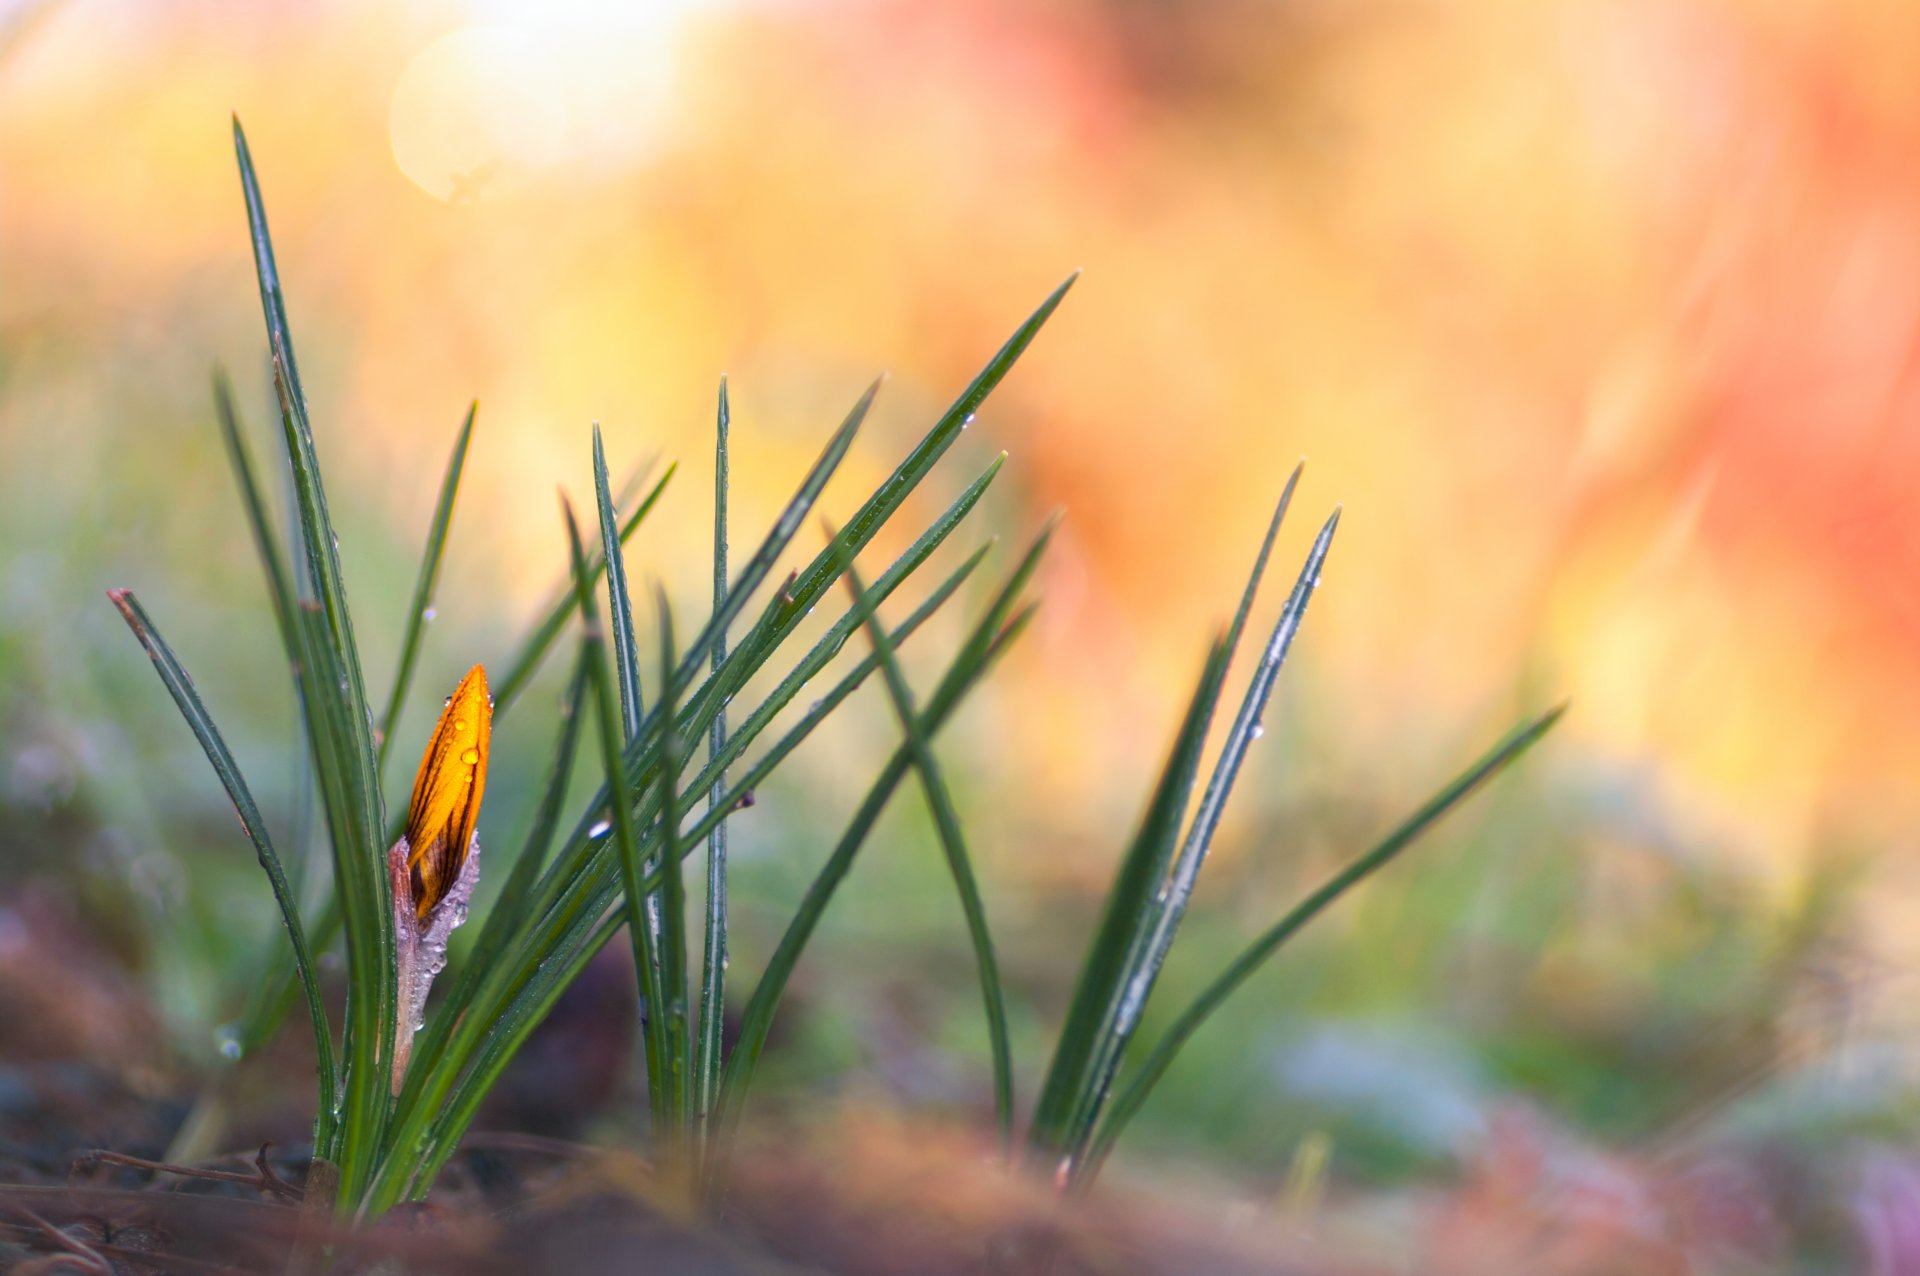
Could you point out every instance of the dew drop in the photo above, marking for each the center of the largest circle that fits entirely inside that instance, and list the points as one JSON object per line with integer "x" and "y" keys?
{"x": 429, "y": 614}
{"x": 461, "y": 724}
{"x": 470, "y": 757}
{"x": 1259, "y": 729}
{"x": 447, "y": 703}
{"x": 226, "y": 1039}
{"x": 600, "y": 829}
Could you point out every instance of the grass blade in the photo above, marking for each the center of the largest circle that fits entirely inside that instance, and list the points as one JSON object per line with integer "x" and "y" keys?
{"x": 626, "y": 840}
{"x": 626, "y": 654}
{"x": 355, "y": 813}
{"x": 672, "y": 895}
{"x": 280, "y": 589}
{"x": 946, "y": 822}
{"x": 1156, "y": 940}
{"x": 1068, "y": 1097}
{"x": 968, "y": 667}
{"x": 539, "y": 640}
{"x": 181, "y": 688}
{"x": 422, "y": 605}
{"x": 711, "y": 1018}
{"x": 1255, "y": 954}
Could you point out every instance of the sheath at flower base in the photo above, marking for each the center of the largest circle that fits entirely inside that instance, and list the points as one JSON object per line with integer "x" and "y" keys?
{"x": 436, "y": 862}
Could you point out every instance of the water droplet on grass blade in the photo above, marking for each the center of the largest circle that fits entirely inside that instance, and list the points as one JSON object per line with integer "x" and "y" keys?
{"x": 1259, "y": 729}
{"x": 600, "y": 829}
{"x": 428, "y": 614}
{"x": 226, "y": 1039}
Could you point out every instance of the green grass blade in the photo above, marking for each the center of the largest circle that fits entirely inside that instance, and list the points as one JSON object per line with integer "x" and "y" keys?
{"x": 280, "y": 590}
{"x": 1068, "y": 1097}
{"x": 356, "y": 815}
{"x": 818, "y": 576}
{"x": 422, "y": 606}
{"x": 672, "y": 894}
{"x": 1255, "y": 954}
{"x": 711, "y": 1016}
{"x": 1143, "y": 966}
{"x": 761, "y": 564}
{"x": 626, "y": 649}
{"x": 181, "y": 688}
{"x": 969, "y": 666}
{"x": 626, "y": 839}
{"x": 539, "y": 640}
{"x": 946, "y": 822}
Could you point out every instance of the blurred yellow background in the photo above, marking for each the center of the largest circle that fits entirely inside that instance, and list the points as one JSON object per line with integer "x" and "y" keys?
{"x": 1601, "y": 318}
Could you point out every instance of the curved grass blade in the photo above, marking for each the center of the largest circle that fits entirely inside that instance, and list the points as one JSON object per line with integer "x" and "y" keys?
{"x": 422, "y": 605}
{"x": 969, "y": 666}
{"x": 539, "y": 640}
{"x": 1156, "y": 939}
{"x": 356, "y": 813}
{"x": 626, "y": 840}
{"x": 280, "y": 591}
{"x": 181, "y": 688}
{"x": 672, "y": 894}
{"x": 1155, "y": 1066}
{"x": 1068, "y": 1096}
{"x": 626, "y": 655}
{"x": 710, "y": 1020}
{"x": 818, "y": 576}
{"x": 946, "y": 822}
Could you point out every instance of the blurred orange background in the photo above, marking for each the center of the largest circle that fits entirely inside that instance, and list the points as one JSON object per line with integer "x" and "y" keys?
{"x": 1601, "y": 318}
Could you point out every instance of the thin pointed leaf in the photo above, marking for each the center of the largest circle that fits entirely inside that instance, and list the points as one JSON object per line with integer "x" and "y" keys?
{"x": 710, "y": 1023}
{"x": 1255, "y": 954}
{"x": 1156, "y": 941}
{"x": 539, "y": 640}
{"x": 946, "y": 822}
{"x": 672, "y": 894}
{"x": 626, "y": 839}
{"x": 976, "y": 656}
{"x": 1068, "y": 1100}
{"x": 626, "y": 649}
{"x": 422, "y": 605}
{"x": 355, "y": 809}
{"x": 181, "y": 688}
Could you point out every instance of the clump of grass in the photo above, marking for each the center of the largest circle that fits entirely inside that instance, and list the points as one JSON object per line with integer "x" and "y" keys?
{"x": 394, "y": 1097}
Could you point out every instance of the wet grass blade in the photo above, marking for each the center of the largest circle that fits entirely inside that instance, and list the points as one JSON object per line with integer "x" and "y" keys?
{"x": 422, "y": 606}
{"x": 1156, "y": 937}
{"x": 1068, "y": 1097}
{"x": 540, "y": 639}
{"x": 181, "y": 688}
{"x": 672, "y": 897}
{"x": 710, "y": 1019}
{"x": 273, "y": 561}
{"x": 355, "y": 809}
{"x": 626, "y": 839}
{"x": 946, "y": 822}
{"x": 976, "y": 656}
{"x": 626, "y": 654}
{"x": 1255, "y": 954}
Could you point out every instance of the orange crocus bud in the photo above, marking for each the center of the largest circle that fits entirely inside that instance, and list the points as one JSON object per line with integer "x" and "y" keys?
{"x": 447, "y": 791}
{"x": 436, "y": 863}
